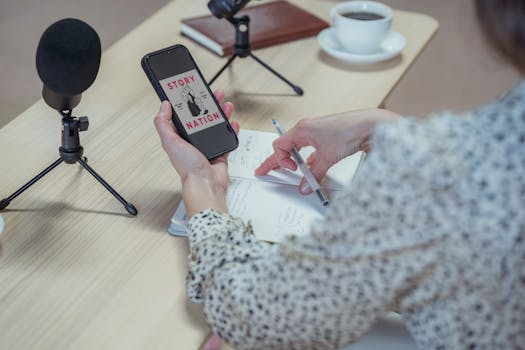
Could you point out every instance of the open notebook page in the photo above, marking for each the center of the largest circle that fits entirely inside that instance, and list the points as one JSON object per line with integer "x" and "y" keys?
{"x": 274, "y": 210}
{"x": 272, "y": 203}
{"x": 256, "y": 146}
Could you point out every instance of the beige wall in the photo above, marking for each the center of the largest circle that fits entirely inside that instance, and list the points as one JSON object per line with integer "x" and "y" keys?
{"x": 457, "y": 71}
{"x": 22, "y": 23}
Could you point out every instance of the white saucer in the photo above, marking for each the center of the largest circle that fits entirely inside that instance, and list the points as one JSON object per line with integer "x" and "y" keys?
{"x": 392, "y": 46}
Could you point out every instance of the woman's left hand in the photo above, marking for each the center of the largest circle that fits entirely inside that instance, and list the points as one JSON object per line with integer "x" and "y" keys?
{"x": 204, "y": 183}
{"x": 214, "y": 342}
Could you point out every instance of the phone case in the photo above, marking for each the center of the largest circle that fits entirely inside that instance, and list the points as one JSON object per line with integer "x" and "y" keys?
{"x": 162, "y": 95}
{"x": 158, "y": 89}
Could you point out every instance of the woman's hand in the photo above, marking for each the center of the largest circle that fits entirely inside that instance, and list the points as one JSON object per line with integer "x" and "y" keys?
{"x": 214, "y": 342}
{"x": 334, "y": 137}
{"x": 204, "y": 183}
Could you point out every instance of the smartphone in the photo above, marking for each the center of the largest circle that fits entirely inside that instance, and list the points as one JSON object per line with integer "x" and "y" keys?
{"x": 197, "y": 115}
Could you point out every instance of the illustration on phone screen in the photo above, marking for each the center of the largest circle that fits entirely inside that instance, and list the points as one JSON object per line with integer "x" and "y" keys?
{"x": 191, "y": 101}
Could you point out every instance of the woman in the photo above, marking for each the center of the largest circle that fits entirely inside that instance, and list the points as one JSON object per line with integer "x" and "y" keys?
{"x": 433, "y": 226}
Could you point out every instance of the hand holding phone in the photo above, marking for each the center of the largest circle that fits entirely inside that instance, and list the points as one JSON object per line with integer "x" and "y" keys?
{"x": 196, "y": 114}
{"x": 204, "y": 182}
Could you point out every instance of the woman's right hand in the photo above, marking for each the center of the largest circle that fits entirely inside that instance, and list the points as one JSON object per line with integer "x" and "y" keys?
{"x": 333, "y": 137}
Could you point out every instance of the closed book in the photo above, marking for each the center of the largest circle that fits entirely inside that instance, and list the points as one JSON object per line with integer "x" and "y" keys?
{"x": 271, "y": 23}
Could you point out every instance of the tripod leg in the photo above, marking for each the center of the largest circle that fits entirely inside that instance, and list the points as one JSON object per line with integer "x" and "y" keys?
{"x": 129, "y": 207}
{"x": 5, "y": 202}
{"x": 223, "y": 68}
{"x": 295, "y": 88}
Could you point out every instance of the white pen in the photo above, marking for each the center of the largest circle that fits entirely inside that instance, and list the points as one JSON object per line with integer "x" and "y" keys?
{"x": 304, "y": 168}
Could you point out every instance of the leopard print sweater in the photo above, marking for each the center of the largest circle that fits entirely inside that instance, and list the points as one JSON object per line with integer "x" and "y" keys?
{"x": 433, "y": 226}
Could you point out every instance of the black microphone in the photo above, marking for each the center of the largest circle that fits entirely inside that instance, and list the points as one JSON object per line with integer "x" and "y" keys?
{"x": 67, "y": 61}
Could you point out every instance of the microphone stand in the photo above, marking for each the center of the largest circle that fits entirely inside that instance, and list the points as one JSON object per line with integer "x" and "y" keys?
{"x": 242, "y": 49}
{"x": 71, "y": 152}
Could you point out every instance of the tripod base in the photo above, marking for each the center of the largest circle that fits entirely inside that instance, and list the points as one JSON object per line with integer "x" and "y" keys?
{"x": 295, "y": 88}
{"x": 242, "y": 48}
{"x": 4, "y": 203}
{"x": 130, "y": 208}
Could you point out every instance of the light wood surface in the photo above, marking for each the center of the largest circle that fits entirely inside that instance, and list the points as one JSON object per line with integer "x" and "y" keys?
{"x": 75, "y": 270}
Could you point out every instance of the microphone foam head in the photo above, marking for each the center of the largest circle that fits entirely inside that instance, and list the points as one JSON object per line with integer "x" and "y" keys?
{"x": 68, "y": 56}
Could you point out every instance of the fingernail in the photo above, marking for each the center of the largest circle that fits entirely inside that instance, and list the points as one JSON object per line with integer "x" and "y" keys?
{"x": 163, "y": 106}
{"x": 305, "y": 188}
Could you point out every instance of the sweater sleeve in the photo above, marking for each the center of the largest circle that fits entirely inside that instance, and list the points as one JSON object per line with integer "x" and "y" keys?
{"x": 326, "y": 289}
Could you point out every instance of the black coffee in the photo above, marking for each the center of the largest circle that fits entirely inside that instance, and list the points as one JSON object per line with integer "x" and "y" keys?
{"x": 363, "y": 16}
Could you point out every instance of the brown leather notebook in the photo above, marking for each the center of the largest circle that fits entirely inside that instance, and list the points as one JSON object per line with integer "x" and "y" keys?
{"x": 271, "y": 23}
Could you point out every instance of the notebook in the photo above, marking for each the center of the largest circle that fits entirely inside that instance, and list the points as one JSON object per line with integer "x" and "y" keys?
{"x": 272, "y": 203}
{"x": 271, "y": 23}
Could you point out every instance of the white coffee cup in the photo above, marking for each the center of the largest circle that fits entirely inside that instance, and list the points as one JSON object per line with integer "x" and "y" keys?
{"x": 361, "y": 36}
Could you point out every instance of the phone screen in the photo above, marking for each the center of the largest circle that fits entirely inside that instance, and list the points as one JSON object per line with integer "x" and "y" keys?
{"x": 196, "y": 113}
{"x": 191, "y": 101}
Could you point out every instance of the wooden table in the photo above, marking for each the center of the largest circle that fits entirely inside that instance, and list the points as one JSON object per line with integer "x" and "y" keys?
{"x": 75, "y": 270}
